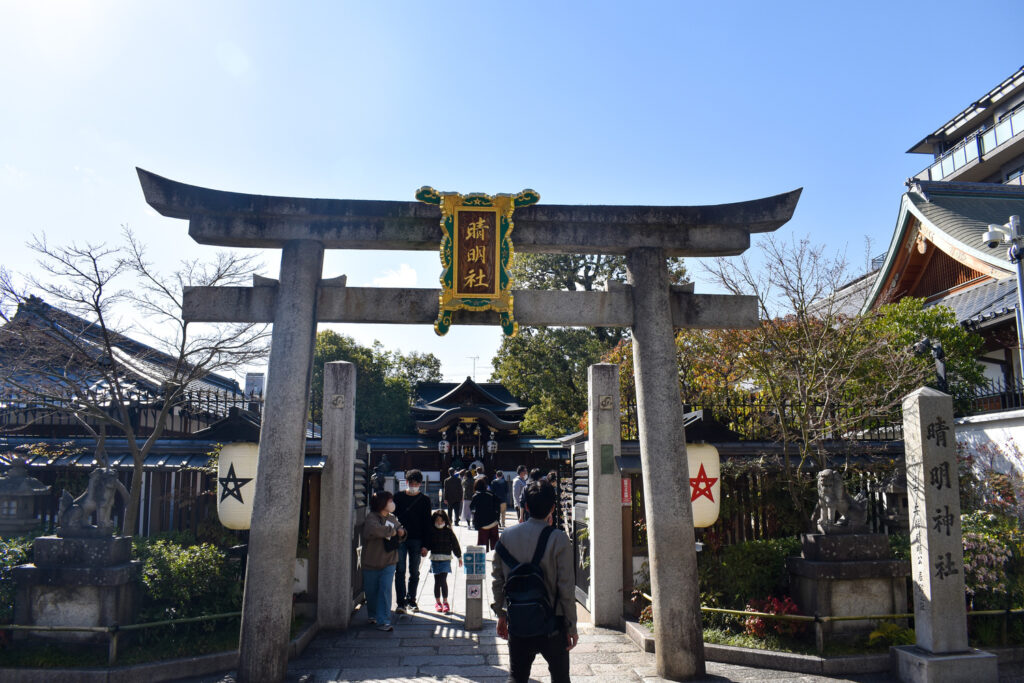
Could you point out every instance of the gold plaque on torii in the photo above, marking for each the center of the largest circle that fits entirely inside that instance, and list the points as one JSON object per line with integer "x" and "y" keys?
{"x": 476, "y": 253}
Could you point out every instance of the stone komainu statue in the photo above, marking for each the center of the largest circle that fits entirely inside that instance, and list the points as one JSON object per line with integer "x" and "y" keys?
{"x": 75, "y": 514}
{"x": 837, "y": 511}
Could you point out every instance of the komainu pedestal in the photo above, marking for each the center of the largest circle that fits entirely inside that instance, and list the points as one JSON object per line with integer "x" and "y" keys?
{"x": 844, "y": 571}
{"x": 848, "y": 575}
{"x": 76, "y": 582}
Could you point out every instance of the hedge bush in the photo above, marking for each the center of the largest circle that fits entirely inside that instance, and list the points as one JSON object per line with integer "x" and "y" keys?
{"x": 186, "y": 581}
{"x": 745, "y": 571}
{"x": 13, "y": 552}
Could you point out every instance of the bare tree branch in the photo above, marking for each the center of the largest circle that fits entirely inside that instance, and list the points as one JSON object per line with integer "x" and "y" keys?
{"x": 72, "y": 353}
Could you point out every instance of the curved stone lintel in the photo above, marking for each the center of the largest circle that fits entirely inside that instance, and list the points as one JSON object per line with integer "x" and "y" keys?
{"x": 246, "y": 220}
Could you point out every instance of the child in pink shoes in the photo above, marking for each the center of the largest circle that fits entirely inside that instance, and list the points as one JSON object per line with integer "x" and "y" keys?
{"x": 441, "y": 542}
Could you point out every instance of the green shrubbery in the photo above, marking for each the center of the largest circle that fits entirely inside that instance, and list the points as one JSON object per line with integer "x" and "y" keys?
{"x": 993, "y": 575}
{"x": 13, "y": 552}
{"x": 180, "y": 578}
{"x": 186, "y": 580}
{"x": 740, "y": 572}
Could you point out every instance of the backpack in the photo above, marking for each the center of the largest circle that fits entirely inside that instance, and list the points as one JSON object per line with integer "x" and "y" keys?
{"x": 530, "y": 613}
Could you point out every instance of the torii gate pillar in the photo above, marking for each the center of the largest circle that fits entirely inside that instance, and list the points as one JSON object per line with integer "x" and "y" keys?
{"x": 281, "y": 452}
{"x": 670, "y": 536}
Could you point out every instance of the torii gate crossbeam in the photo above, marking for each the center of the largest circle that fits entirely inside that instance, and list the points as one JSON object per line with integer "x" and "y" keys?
{"x": 303, "y": 228}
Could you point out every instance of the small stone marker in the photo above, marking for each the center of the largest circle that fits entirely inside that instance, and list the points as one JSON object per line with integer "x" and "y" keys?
{"x": 474, "y": 564}
{"x": 936, "y": 547}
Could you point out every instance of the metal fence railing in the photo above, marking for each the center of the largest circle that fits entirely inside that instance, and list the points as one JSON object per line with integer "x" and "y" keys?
{"x": 114, "y": 631}
{"x": 820, "y": 620}
{"x": 753, "y": 418}
{"x": 61, "y": 416}
{"x": 993, "y": 397}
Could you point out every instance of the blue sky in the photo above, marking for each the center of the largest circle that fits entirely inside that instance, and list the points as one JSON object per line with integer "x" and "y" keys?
{"x": 585, "y": 102}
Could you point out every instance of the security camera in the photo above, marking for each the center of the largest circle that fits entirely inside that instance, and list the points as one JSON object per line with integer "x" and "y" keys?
{"x": 992, "y": 238}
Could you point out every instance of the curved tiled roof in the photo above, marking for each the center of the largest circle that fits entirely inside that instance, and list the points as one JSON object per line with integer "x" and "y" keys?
{"x": 145, "y": 367}
{"x": 958, "y": 214}
{"x": 963, "y": 211}
{"x": 982, "y": 303}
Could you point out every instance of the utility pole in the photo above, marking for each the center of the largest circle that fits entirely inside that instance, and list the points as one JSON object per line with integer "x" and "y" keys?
{"x": 474, "y": 359}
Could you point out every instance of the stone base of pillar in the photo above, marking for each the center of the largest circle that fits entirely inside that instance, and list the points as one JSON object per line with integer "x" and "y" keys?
{"x": 912, "y": 664}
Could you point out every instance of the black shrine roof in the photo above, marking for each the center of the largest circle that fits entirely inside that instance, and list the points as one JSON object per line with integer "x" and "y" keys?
{"x": 439, "y": 404}
{"x": 239, "y": 425}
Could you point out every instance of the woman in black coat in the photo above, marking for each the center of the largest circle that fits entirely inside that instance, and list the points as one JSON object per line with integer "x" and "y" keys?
{"x": 486, "y": 509}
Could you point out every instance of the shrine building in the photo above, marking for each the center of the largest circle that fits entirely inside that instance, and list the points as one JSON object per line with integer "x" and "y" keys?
{"x": 937, "y": 252}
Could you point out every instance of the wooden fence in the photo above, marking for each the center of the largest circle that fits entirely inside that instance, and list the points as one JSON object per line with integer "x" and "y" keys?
{"x": 758, "y": 505}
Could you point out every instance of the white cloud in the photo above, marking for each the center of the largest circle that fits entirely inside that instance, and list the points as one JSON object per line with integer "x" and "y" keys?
{"x": 405, "y": 276}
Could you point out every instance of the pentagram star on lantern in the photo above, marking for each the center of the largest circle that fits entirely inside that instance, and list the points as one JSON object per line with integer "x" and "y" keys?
{"x": 701, "y": 485}
{"x": 232, "y": 485}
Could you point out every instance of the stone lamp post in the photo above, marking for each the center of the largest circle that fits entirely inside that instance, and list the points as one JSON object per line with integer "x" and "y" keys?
{"x": 18, "y": 492}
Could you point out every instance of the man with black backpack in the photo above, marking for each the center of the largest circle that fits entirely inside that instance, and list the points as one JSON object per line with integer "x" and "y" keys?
{"x": 533, "y": 589}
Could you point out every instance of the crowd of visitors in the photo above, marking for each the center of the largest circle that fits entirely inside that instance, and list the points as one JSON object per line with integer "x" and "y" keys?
{"x": 403, "y": 528}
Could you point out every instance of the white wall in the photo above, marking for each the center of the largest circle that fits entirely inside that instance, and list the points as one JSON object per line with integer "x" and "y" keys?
{"x": 996, "y": 442}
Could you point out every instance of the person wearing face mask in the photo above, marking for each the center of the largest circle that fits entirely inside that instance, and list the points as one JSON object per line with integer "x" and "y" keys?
{"x": 413, "y": 511}
{"x": 380, "y": 554}
{"x": 442, "y": 544}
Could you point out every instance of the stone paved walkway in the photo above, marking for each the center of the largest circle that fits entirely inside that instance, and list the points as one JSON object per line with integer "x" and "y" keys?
{"x": 433, "y": 647}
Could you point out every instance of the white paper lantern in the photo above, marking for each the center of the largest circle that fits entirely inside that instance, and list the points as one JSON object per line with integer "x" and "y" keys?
{"x": 236, "y": 484}
{"x": 705, "y": 483}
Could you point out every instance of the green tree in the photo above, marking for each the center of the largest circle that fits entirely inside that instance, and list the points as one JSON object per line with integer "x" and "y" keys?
{"x": 417, "y": 367}
{"x": 905, "y": 322}
{"x": 822, "y": 369}
{"x": 384, "y": 381}
{"x": 547, "y": 366}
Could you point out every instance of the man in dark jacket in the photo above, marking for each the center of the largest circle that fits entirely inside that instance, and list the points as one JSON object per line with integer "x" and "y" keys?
{"x": 485, "y": 514}
{"x": 452, "y": 494}
{"x": 499, "y": 487}
{"x": 413, "y": 510}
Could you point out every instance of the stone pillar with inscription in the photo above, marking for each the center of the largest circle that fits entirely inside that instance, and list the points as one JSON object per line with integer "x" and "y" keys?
{"x": 936, "y": 545}
{"x": 604, "y": 515}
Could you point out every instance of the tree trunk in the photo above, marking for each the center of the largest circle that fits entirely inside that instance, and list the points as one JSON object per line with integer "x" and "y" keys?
{"x": 131, "y": 511}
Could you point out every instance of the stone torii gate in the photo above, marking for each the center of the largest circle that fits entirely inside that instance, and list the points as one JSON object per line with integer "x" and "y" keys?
{"x": 304, "y": 228}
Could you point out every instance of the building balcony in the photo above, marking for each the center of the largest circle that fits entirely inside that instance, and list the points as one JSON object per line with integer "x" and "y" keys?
{"x": 978, "y": 156}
